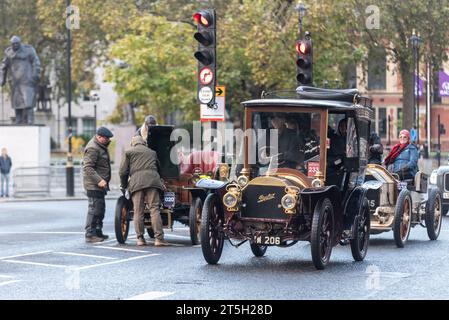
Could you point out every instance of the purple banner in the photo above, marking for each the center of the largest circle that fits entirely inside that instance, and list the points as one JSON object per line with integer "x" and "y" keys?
{"x": 420, "y": 86}
{"x": 443, "y": 81}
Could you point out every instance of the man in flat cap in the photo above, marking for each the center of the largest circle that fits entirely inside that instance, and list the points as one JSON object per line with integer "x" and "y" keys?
{"x": 23, "y": 66}
{"x": 96, "y": 177}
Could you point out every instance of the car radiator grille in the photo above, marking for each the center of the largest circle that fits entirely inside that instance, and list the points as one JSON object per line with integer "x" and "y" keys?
{"x": 446, "y": 181}
{"x": 263, "y": 202}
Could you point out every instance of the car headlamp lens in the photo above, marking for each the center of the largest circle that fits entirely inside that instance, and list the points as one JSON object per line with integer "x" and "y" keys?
{"x": 242, "y": 181}
{"x": 433, "y": 177}
{"x": 316, "y": 183}
{"x": 288, "y": 202}
{"x": 230, "y": 200}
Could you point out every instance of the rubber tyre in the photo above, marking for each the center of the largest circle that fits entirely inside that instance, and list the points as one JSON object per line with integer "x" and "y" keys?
{"x": 121, "y": 221}
{"x": 211, "y": 234}
{"x": 322, "y": 235}
{"x": 195, "y": 220}
{"x": 401, "y": 231}
{"x": 360, "y": 242}
{"x": 258, "y": 250}
{"x": 434, "y": 217}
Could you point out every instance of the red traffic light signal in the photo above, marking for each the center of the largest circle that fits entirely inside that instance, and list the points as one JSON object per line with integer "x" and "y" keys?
{"x": 303, "y": 47}
{"x": 204, "y": 18}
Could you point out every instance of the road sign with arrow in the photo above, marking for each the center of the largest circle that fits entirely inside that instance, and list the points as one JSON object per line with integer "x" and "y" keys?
{"x": 215, "y": 112}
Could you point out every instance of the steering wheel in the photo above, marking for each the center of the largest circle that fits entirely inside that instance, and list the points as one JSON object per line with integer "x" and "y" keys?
{"x": 263, "y": 156}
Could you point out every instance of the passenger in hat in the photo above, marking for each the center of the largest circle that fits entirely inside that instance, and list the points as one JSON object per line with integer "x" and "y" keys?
{"x": 96, "y": 177}
{"x": 144, "y": 130}
{"x": 403, "y": 157}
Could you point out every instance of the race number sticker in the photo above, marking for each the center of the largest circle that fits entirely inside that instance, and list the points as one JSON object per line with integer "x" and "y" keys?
{"x": 312, "y": 168}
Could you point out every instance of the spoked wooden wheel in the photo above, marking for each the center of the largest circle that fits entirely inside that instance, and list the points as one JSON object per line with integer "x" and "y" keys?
{"x": 322, "y": 233}
{"x": 121, "y": 221}
{"x": 360, "y": 242}
{"x": 434, "y": 214}
{"x": 402, "y": 218}
{"x": 195, "y": 220}
{"x": 212, "y": 236}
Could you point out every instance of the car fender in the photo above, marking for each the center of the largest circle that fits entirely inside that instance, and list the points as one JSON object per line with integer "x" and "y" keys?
{"x": 311, "y": 196}
{"x": 353, "y": 206}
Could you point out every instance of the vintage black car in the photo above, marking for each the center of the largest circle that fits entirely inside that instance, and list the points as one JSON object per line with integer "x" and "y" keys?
{"x": 182, "y": 201}
{"x": 310, "y": 189}
{"x": 440, "y": 179}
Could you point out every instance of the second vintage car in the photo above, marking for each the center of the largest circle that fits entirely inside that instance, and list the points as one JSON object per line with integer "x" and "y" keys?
{"x": 182, "y": 201}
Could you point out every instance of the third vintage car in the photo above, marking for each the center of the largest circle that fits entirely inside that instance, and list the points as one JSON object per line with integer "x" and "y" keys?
{"x": 304, "y": 162}
{"x": 182, "y": 201}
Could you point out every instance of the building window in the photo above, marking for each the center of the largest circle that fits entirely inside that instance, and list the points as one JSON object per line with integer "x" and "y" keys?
{"x": 88, "y": 126}
{"x": 377, "y": 69}
{"x": 399, "y": 122}
{"x": 382, "y": 122}
{"x": 74, "y": 124}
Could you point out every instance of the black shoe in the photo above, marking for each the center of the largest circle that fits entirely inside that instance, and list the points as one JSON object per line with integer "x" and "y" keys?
{"x": 102, "y": 235}
{"x": 93, "y": 239}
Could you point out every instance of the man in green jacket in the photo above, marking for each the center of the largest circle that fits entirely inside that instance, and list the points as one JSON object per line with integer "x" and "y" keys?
{"x": 96, "y": 177}
{"x": 139, "y": 172}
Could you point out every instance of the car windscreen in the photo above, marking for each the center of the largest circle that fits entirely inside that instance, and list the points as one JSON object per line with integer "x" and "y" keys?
{"x": 285, "y": 140}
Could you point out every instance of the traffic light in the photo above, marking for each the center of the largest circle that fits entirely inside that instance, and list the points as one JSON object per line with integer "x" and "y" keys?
{"x": 442, "y": 129}
{"x": 206, "y": 55}
{"x": 304, "y": 62}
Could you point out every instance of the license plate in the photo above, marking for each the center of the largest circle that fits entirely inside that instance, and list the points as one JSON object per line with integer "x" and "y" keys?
{"x": 267, "y": 240}
{"x": 169, "y": 199}
{"x": 446, "y": 195}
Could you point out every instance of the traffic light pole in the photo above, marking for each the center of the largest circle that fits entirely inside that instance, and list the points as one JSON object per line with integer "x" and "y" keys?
{"x": 70, "y": 182}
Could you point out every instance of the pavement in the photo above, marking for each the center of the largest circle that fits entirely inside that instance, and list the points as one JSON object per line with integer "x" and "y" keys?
{"x": 43, "y": 256}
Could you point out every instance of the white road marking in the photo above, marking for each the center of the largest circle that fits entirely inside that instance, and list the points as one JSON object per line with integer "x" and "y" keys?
{"x": 9, "y": 282}
{"x": 43, "y": 232}
{"x": 24, "y": 255}
{"x": 37, "y": 264}
{"x": 118, "y": 261}
{"x": 177, "y": 236}
{"x": 2, "y": 276}
{"x": 112, "y": 240}
{"x": 151, "y": 295}
{"x": 121, "y": 249}
{"x": 168, "y": 244}
{"x": 85, "y": 255}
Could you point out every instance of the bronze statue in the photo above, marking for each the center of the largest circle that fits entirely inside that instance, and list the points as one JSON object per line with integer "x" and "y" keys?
{"x": 24, "y": 67}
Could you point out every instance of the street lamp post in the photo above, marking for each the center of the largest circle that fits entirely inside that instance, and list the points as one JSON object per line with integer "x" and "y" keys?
{"x": 95, "y": 98}
{"x": 416, "y": 41}
{"x": 301, "y": 8}
{"x": 70, "y": 182}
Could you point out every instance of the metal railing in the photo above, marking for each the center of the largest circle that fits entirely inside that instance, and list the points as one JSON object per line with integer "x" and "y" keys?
{"x": 49, "y": 181}
{"x": 31, "y": 181}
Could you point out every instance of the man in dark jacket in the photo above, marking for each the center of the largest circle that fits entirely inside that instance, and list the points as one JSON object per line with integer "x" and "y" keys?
{"x": 96, "y": 177}
{"x": 5, "y": 168}
{"x": 139, "y": 173}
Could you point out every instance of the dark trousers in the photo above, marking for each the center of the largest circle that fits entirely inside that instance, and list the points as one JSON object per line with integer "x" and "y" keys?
{"x": 95, "y": 215}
